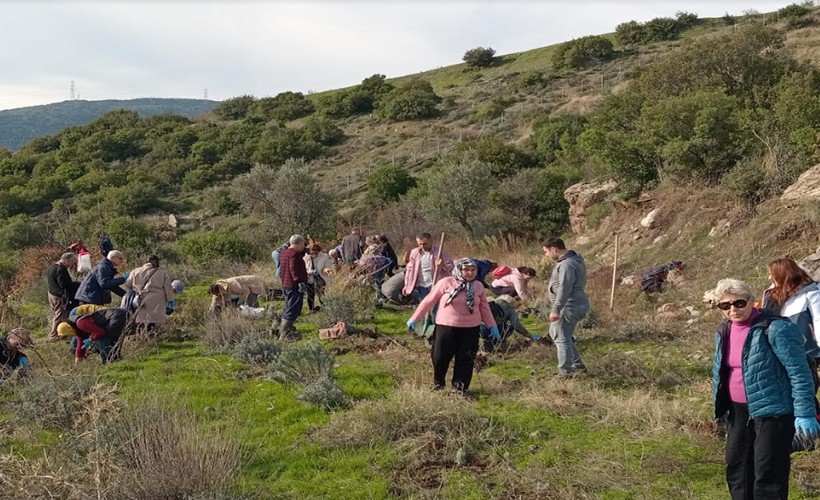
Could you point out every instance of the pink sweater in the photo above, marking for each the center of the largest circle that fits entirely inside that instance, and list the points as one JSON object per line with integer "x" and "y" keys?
{"x": 734, "y": 358}
{"x": 456, "y": 313}
{"x": 516, "y": 280}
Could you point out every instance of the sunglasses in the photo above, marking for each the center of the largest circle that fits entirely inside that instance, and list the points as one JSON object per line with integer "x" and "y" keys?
{"x": 739, "y": 304}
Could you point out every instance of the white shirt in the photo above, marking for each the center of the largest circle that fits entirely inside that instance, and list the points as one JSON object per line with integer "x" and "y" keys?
{"x": 426, "y": 274}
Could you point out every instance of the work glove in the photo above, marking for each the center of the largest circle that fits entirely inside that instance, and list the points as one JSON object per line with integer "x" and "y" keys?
{"x": 172, "y": 304}
{"x": 125, "y": 275}
{"x": 87, "y": 343}
{"x": 495, "y": 336}
{"x": 411, "y": 325}
{"x": 535, "y": 336}
{"x": 303, "y": 288}
{"x": 808, "y": 427}
{"x": 23, "y": 362}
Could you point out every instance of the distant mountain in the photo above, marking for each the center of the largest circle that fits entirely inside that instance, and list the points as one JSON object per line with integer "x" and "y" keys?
{"x": 18, "y": 126}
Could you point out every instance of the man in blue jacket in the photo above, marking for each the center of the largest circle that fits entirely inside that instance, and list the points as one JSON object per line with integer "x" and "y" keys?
{"x": 101, "y": 282}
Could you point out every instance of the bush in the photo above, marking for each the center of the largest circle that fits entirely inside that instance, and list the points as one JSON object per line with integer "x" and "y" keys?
{"x": 729, "y": 20}
{"x": 286, "y": 106}
{"x": 582, "y": 51}
{"x": 302, "y": 364}
{"x": 479, "y": 57}
{"x": 388, "y": 183}
{"x": 795, "y": 15}
{"x": 412, "y": 100}
{"x": 255, "y": 350}
{"x": 20, "y": 232}
{"x": 134, "y": 238}
{"x": 596, "y": 214}
{"x": 152, "y": 442}
{"x": 235, "y": 108}
{"x": 492, "y": 109}
{"x": 205, "y": 247}
{"x": 747, "y": 181}
{"x": 531, "y": 80}
{"x": 629, "y": 33}
{"x": 661, "y": 29}
{"x": 504, "y": 159}
{"x": 555, "y": 137}
{"x": 326, "y": 393}
{"x": 60, "y": 402}
{"x": 686, "y": 19}
{"x": 223, "y": 333}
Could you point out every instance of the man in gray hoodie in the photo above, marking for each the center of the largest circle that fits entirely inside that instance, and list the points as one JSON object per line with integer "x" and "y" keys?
{"x": 569, "y": 303}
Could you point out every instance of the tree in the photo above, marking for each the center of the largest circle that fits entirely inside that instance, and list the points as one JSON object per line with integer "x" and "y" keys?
{"x": 205, "y": 247}
{"x": 388, "y": 183}
{"x": 630, "y": 33}
{"x": 580, "y": 52}
{"x": 284, "y": 107}
{"x": 457, "y": 189}
{"x": 376, "y": 85}
{"x": 135, "y": 238}
{"x": 479, "y": 57}
{"x": 412, "y": 100}
{"x": 554, "y": 137}
{"x": 289, "y": 197}
{"x": 503, "y": 159}
{"x": 661, "y": 29}
{"x": 235, "y": 108}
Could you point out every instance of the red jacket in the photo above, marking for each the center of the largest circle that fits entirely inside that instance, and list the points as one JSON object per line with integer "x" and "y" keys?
{"x": 294, "y": 271}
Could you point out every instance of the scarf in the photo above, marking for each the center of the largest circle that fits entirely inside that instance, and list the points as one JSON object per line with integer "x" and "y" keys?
{"x": 463, "y": 284}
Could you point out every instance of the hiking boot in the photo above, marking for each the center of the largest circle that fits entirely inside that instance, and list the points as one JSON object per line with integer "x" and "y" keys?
{"x": 579, "y": 367}
{"x": 285, "y": 329}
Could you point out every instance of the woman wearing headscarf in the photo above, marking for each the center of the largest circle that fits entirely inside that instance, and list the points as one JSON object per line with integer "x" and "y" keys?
{"x": 462, "y": 307}
{"x": 762, "y": 385}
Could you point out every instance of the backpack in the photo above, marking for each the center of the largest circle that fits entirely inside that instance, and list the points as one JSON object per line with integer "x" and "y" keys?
{"x": 501, "y": 271}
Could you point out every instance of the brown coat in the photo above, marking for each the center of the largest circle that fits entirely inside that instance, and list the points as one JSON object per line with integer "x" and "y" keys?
{"x": 155, "y": 290}
{"x": 241, "y": 286}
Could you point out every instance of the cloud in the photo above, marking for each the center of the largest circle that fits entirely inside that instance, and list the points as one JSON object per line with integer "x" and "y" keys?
{"x": 176, "y": 49}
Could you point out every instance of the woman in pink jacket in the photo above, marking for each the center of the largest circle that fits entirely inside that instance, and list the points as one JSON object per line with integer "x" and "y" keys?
{"x": 462, "y": 307}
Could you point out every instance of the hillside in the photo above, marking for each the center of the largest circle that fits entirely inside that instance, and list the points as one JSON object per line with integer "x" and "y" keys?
{"x": 20, "y": 125}
{"x": 694, "y": 139}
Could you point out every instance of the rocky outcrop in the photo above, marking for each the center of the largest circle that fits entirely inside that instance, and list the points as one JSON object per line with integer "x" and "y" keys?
{"x": 806, "y": 188}
{"x": 581, "y": 197}
{"x": 811, "y": 265}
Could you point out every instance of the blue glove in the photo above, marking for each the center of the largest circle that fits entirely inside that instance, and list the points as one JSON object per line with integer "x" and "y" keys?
{"x": 807, "y": 426}
{"x": 23, "y": 362}
{"x": 411, "y": 325}
{"x": 125, "y": 275}
{"x": 494, "y": 334}
{"x": 535, "y": 336}
{"x": 172, "y": 304}
{"x": 87, "y": 343}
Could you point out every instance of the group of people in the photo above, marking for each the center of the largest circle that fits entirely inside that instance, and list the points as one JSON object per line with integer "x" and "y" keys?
{"x": 81, "y": 312}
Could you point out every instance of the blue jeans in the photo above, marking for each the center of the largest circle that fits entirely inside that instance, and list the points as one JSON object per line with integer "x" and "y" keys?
{"x": 106, "y": 347}
{"x": 423, "y": 292}
{"x": 293, "y": 304}
{"x": 275, "y": 256}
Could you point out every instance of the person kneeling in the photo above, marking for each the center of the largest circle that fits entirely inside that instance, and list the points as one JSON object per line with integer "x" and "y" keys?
{"x": 462, "y": 308}
{"x": 508, "y": 321}
{"x": 102, "y": 327}
{"x": 11, "y": 358}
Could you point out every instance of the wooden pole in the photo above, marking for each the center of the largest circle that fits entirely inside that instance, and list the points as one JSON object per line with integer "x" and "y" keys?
{"x": 435, "y": 275}
{"x": 614, "y": 276}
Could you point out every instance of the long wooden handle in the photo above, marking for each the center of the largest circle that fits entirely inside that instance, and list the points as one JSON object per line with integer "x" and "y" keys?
{"x": 438, "y": 257}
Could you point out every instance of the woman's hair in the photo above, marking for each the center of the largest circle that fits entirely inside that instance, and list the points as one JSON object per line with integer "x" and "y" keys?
{"x": 528, "y": 271}
{"x": 735, "y": 287}
{"x": 153, "y": 260}
{"x": 315, "y": 247}
{"x": 215, "y": 289}
{"x": 789, "y": 278}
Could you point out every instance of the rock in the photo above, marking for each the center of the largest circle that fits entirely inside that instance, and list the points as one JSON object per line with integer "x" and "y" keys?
{"x": 461, "y": 457}
{"x": 533, "y": 448}
{"x": 671, "y": 311}
{"x": 806, "y": 188}
{"x": 811, "y": 264}
{"x": 629, "y": 280}
{"x": 535, "y": 434}
{"x": 710, "y": 299}
{"x": 172, "y": 221}
{"x": 582, "y": 196}
{"x": 649, "y": 220}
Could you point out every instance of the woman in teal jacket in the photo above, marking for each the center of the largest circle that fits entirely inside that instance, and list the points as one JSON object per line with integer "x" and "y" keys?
{"x": 763, "y": 386}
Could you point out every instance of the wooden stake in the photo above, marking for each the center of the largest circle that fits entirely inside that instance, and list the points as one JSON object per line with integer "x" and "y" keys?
{"x": 614, "y": 276}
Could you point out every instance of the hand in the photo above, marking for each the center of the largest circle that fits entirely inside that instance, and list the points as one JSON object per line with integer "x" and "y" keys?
{"x": 24, "y": 362}
{"x": 494, "y": 334}
{"x": 327, "y": 271}
{"x": 807, "y": 426}
{"x": 411, "y": 325}
{"x": 125, "y": 275}
{"x": 554, "y": 317}
{"x": 535, "y": 336}
{"x": 439, "y": 262}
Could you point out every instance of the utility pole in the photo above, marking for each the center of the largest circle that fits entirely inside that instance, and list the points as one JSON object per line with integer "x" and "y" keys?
{"x": 72, "y": 90}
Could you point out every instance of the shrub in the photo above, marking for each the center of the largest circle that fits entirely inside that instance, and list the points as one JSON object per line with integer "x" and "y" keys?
{"x": 505, "y": 160}
{"x": 235, "y": 108}
{"x": 326, "y": 393}
{"x": 479, "y": 57}
{"x": 206, "y": 247}
{"x": 729, "y": 20}
{"x": 530, "y": 80}
{"x": 686, "y": 19}
{"x": 596, "y": 214}
{"x": 388, "y": 183}
{"x": 412, "y": 100}
{"x": 795, "y": 15}
{"x": 286, "y": 106}
{"x": 492, "y": 109}
{"x": 661, "y": 29}
{"x": 153, "y": 441}
{"x": 581, "y": 52}
{"x": 223, "y": 333}
{"x": 591, "y": 320}
{"x": 60, "y": 402}
{"x": 747, "y": 181}
{"x": 555, "y": 137}
{"x": 21, "y": 231}
{"x": 255, "y": 350}
{"x": 630, "y": 33}
{"x": 135, "y": 238}
{"x": 302, "y": 363}
{"x": 453, "y": 187}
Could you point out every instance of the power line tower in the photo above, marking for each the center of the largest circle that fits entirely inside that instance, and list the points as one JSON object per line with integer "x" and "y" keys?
{"x": 205, "y": 94}
{"x": 72, "y": 90}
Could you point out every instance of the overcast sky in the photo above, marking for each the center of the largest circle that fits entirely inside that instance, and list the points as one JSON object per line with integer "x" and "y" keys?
{"x": 125, "y": 49}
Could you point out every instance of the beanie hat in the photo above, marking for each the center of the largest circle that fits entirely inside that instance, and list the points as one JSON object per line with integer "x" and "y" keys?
{"x": 178, "y": 286}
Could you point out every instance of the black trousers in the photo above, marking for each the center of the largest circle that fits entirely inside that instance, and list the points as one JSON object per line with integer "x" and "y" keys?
{"x": 294, "y": 299}
{"x": 460, "y": 343}
{"x": 758, "y": 455}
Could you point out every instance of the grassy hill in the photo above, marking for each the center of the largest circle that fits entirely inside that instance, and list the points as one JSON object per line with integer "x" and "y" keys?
{"x": 20, "y": 125}
{"x": 218, "y": 409}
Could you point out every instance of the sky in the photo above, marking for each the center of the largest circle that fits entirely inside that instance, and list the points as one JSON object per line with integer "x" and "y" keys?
{"x": 121, "y": 49}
